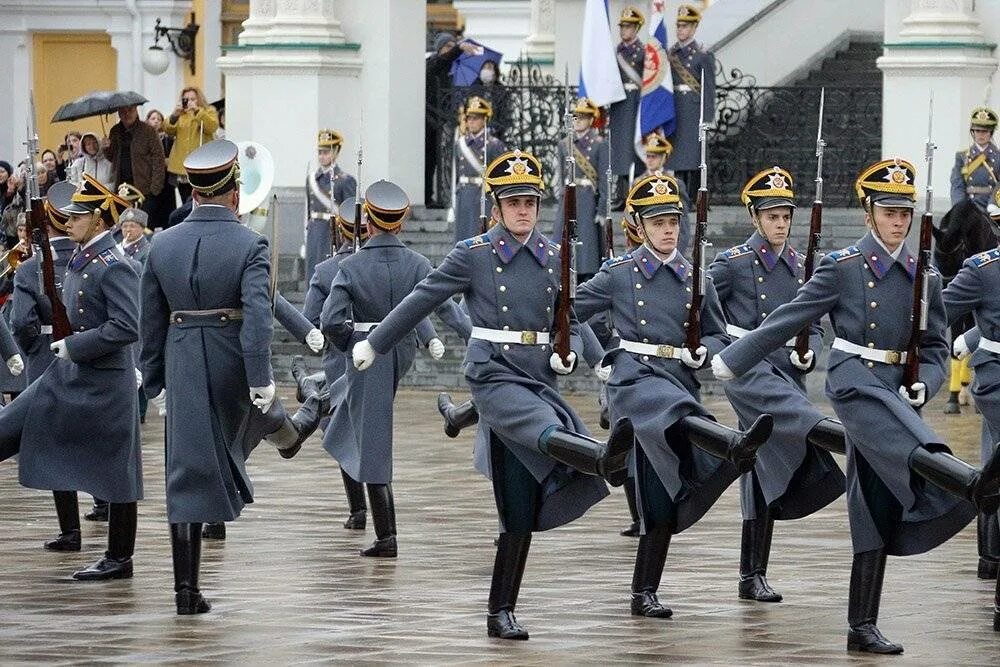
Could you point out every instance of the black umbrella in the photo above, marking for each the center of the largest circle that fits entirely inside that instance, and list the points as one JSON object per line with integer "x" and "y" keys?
{"x": 98, "y": 103}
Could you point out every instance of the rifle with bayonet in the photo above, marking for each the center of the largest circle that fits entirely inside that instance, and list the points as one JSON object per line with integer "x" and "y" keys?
{"x": 39, "y": 234}
{"x": 700, "y": 244}
{"x": 358, "y": 199}
{"x": 815, "y": 226}
{"x": 924, "y": 272}
{"x": 483, "y": 217}
{"x": 567, "y": 245}
{"x": 608, "y": 237}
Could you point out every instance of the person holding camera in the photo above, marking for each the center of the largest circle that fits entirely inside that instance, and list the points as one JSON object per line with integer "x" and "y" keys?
{"x": 192, "y": 123}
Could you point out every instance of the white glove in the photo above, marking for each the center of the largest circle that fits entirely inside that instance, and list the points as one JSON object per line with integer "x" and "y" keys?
{"x": 315, "y": 340}
{"x": 60, "y": 349}
{"x": 138, "y": 379}
{"x": 921, "y": 390}
{"x": 806, "y": 364}
{"x": 696, "y": 360}
{"x": 262, "y": 397}
{"x": 720, "y": 370}
{"x": 160, "y": 403}
{"x": 436, "y": 348}
{"x": 363, "y": 355}
{"x": 960, "y": 348}
{"x": 602, "y": 371}
{"x": 15, "y": 365}
{"x": 556, "y": 363}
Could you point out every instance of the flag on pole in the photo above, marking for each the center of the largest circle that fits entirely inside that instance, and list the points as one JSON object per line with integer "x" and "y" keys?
{"x": 656, "y": 108}
{"x": 599, "y": 77}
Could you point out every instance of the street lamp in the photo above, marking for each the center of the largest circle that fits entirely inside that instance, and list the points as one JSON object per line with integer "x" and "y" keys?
{"x": 181, "y": 40}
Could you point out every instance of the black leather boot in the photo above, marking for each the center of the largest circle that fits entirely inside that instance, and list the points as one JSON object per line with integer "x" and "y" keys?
{"x": 355, "y": 502}
{"x": 297, "y": 428}
{"x": 99, "y": 512}
{"x": 754, "y": 552}
{"x": 117, "y": 560}
{"x": 68, "y": 514}
{"x": 456, "y": 417}
{"x": 988, "y": 539}
{"x": 185, "y": 544}
{"x": 299, "y": 373}
{"x": 867, "y": 572}
{"x": 649, "y": 560}
{"x": 508, "y": 569}
{"x": 587, "y": 455}
{"x": 829, "y": 434}
{"x": 737, "y": 447}
{"x": 384, "y": 521}
{"x": 214, "y": 531}
{"x": 980, "y": 487}
{"x": 632, "y": 530}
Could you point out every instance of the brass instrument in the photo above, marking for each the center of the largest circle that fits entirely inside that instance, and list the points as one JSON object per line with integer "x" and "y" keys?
{"x": 11, "y": 259}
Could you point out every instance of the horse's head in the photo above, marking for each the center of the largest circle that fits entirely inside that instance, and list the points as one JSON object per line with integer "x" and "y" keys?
{"x": 964, "y": 231}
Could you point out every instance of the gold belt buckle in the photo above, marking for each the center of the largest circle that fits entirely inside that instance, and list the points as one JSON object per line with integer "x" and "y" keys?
{"x": 893, "y": 357}
{"x": 665, "y": 351}
{"x": 529, "y": 338}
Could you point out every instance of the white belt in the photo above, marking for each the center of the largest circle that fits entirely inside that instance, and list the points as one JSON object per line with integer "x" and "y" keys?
{"x": 662, "y": 351}
{"x": 321, "y": 216}
{"x": 466, "y": 180}
{"x": 516, "y": 337}
{"x": 584, "y": 183}
{"x": 46, "y": 329}
{"x": 364, "y": 327}
{"x": 631, "y": 85}
{"x": 683, "y": 88}
{"x": 740, "y": 332}
{"x": 893, "y": 357}
{"x": 989, "y": 345}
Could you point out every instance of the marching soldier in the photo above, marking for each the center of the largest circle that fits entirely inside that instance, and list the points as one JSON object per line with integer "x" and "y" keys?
{"x": 689, "y": 64}
{"x": 793, "y": 476}
{"x": 530, "y": 442}
{"x": 82, "y": 408}
{"x": 469, "y": 166}
{"x": 977, "y": 169}
{"x": 652, "y": 388}
{"x": 590, "y": 152}
{"x": 906, "y": 493}
{"x": 630, "y": 55}
{"x": 326, "y": 189}
{"x": 656, "y": 153}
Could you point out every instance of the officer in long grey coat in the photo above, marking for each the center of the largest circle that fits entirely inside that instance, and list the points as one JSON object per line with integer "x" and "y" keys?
{"x": 976, "y": 170}
{"x": 60, "y": 426}
{"x": 206, "y": 340}
{"x": 470, "y": 165}
{"x": 530, "y": 441}
{"x": 689, "y": 64}
{"x": 590, "y": 154}
{"x": 794, "y": 475}
{"x": 326, "y": 189}
{"x": 630, "y": 55}
{"x": 367, "y": 287}
{"x": 906, "y": 493}
{"x": 653, "y": 394}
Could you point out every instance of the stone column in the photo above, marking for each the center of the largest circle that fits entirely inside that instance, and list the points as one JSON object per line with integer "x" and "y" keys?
{"x": 540, "y": 44}
{"x": 937, "y": 46}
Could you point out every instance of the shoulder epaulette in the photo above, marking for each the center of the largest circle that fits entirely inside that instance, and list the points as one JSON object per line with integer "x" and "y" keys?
{"x": 737, "y": 251}
{"x": 984, "y": 258}
{"x": 620, "y": 259}
{"x": 846, "y": 253}
{"x": 476, "y": 241}
{"x": 108, "y": 257}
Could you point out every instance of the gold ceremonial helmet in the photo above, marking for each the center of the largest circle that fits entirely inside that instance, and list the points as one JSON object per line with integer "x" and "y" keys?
{"x": 631, "y": 16}
{"x": 477, "y": 105}
{"x": 329, "y": 139}
{"x": 769, "y": 188}
{"x": 93, "y": 196}
{"x": 657, "y": 144}
{"x": 688, "y": 14}
{"x": 514, "y": 173}
{"x": 888, "y": 183}
{"x": 586, "y": 106}
{"x": 656, "y": 194}
{"x": 983, "y": 118}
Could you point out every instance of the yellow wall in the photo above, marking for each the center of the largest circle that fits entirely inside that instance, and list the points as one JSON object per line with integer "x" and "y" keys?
{"x": 66, "y": 65}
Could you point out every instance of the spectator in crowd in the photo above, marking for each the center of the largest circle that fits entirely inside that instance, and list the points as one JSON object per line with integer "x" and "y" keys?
{"x": 489, "y": 87}
{"x": 51, "y": 164}
{"x": 14, "y": 205}
{"x": 69, "y": 151}
{"x": 136, "y": 153}
{"x": 159, "y": 206}
{"x": 92, "y": 161}
{"x": 192, "y": 124}
{"x": 446, "y": 51}
{"x": 6, "y": 172}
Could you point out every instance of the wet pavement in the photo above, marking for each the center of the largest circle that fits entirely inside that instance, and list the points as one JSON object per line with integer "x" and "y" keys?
{"x": 288, "y": 586}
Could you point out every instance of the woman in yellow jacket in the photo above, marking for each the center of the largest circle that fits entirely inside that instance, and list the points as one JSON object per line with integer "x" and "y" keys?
{"x": 192, "y": 124}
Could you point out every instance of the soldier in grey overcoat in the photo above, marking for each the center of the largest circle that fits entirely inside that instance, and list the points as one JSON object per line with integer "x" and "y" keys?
{"x": 794, "y": 475}
{"x": 469, "y": 166}
{"x": 326, "y": 189}
{"x": 12, "y": 380}
{"x": 367, "y": 287}
{"x": 683, "y": 459}
{"x": 544, "y": 467}
{"x": 590, "y": 153}
{"x": 60, "y": 426}
{"x": 689, "y": 64}
{"x": 976, "y": 170}
{"x": 630, "y": 55}
{"x": 906, "y": 493}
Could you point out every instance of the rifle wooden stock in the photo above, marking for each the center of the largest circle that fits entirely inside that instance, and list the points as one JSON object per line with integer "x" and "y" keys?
{"x": 357, "y": 224}
{"x": 693, "y": 337}
{"x": 484, "y": 224}
{"x": 911, "y": 373}
{"x": 40, "y": 236}
{"x": 812, "y": 247}
{"x": 609, "y": 238}
{"x": 565, "y": 305}
{"x": 335, "y": 235}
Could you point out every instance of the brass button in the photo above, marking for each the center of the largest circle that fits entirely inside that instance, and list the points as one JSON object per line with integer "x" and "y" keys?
{"x": 871, "y": 283}
{"x": 550, "y": 270}
{"x": 871, "y": 326}
{"x": 871, "y": 344}
{"x": 763, "y": 314}
{"x": 85, "y": 275}
{"x": 80, "y": 310}
{"x": 638, "y": 285}
{"x": 636, "y": 269}
{"x": 687, "y": 289}
{"x": 80, "y": 293}
{"x": 873, "y": 304}
{"x": 685, "y": 325}
{"x": 645, "y": 340}
{"x": 640, "y": 302}
{"x": 763, "y": 296}
{"x": 642, "y": 321}
{"x": 506, "y": 347}
{"x": 760, "y": 279}
{"x": 645, "y": 357}
{"x": 81, "y": 329}
{"x": 871, "y": 365}
{"x": 503, "y": 288}
{"x": 499, "y": 269}
{"x": 800, "y": 281}
{"x": 688, "y": 306}
{"x": 503, "y": 308}
{"x": 506, "y": 328}
{"x": 548, "y": 289}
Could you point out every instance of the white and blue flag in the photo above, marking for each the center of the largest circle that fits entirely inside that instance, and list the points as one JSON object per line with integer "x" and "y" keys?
{"x": 599, "y": 76}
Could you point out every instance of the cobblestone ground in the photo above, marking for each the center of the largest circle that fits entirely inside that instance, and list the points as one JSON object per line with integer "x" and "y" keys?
{"x": 288, "y": 585}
